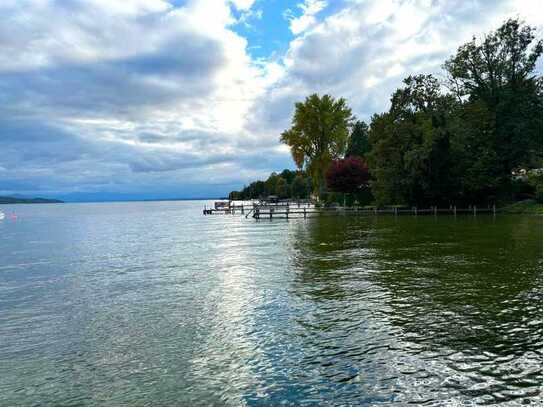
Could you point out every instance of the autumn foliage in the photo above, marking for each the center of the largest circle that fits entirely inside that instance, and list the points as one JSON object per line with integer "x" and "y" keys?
{"x": 347, "y": 175}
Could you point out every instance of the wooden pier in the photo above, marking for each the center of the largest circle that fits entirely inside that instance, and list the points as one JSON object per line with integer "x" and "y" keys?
{"x": 291, "y": 210}
{"x": 290, "y": 213}
{"x": 230, "y": 210}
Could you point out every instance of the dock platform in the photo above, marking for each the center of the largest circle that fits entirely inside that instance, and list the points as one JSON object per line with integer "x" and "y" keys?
{"x": 306, "y": 209}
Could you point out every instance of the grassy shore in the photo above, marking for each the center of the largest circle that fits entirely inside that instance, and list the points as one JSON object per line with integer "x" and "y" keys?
{"x": 527, "y": 207}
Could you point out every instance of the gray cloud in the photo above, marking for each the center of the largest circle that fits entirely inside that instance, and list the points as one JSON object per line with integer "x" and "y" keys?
{"x": 124, "y": 97}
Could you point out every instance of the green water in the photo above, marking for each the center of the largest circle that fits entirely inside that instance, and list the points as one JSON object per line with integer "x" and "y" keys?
{"x": 154, "y": 304}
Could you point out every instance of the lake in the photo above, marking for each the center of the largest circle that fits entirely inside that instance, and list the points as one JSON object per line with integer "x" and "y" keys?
{"x": 152, "y": 303}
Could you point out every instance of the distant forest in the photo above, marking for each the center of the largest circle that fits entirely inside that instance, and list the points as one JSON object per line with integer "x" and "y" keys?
{"x": 8, "y": 200}
{"x": 475, "y": 137}
{"x": 287, "y": 184}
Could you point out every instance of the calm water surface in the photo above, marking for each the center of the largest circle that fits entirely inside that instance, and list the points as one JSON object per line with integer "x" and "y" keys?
{"x": 154, "y": 304}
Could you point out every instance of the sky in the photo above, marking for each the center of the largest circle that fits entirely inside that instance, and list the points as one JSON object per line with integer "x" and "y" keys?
{"x": 153, "y": 99}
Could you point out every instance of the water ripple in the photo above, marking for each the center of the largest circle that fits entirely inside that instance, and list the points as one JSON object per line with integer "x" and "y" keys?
{"x": 152, "y": 303}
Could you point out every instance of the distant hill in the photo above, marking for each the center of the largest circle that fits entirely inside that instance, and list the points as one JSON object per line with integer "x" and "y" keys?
{"x": 17, "y": 200}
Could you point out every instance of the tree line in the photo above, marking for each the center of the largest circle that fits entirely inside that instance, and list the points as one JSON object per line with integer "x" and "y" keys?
{"x": 285, "y": 185}
{"x": 475, "y": 137}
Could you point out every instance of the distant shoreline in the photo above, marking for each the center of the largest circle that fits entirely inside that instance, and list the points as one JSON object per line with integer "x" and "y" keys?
{"x": 8, "y": 200}
{"x": 23, "y": 201}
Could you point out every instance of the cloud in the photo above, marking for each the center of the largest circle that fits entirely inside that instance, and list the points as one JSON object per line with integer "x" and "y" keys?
{"x": 248, "y": 16}
{"x": 364, "y": 50}
{"x": 94, "y": 93}
{"x": 149, "y": 95}
{"x": 310, "y": 9}
{"x": 243, "y": 4}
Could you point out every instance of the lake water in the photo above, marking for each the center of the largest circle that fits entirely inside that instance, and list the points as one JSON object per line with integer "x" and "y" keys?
{"x": 154, "y": 304}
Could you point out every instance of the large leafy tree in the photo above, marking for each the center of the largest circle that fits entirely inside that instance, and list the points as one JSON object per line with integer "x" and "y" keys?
{"x": 282, "y": 188}
{"x": 410, "y": 158}
{"x": 359, "y": 144}
{"x": 319, "y": 134}
{"x": 300, "y": 187}
{"x": 497, "y": 75}
{"x": 475, "y": 164}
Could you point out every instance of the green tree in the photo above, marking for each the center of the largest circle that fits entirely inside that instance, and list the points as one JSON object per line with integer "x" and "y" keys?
{"x": 288, "y": 175}
{"x": 235, "y": 196}
{"x": 282, "y": 188}
{"x": 497, "y": 75}
{"x": 475, "y": 163}
{"x": 359, "y": 144}
{"x": 299, "y": 188}
{"x": 287, "y": 184}
{"x": 271, "y": 183}
{"x": 319, "y": 134}
{"x": 411, "y": 159}
{"x": 535, "y": 179}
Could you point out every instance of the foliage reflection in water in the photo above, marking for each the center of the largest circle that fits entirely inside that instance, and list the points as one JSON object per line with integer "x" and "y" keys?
{"x": 425, "y": 309}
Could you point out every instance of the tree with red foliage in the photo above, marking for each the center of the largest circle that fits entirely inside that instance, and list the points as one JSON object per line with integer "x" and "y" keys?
{"x": 347, "y": 175}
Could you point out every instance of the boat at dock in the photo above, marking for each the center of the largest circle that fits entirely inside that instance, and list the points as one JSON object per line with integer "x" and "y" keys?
{"x": 2, "y": 215}
{"x": 222, "y": 205}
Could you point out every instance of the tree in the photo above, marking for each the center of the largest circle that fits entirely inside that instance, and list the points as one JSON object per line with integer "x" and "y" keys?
{"x": 271, "y": 183}
{"x": 347, "y": 175}
{"x": 299, "y": 188}
{"x": 358, "y": 145}
{"x": 475, "y": 164}
{"x": 288, "y": 175}
{"x": 504, "y": 59}
{"x": 282, "y": 188}
{"x": 287, "y": 184}
{"x": 497, "y": 74}
{"x": 235, "y": 196}
{"x": 435, "y": 147}
{"x": 319, "y": 134}
{"x": 535, "y": 179}
{"x": 411, "y": 159}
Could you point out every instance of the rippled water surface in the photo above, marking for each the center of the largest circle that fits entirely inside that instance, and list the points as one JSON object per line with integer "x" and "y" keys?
{"x": 154, "y": 304}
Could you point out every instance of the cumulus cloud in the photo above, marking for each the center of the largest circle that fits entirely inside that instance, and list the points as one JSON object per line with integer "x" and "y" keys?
{"x": 310, "y": 9}
{"x": 364, "y": 50}
{"x": 149, "y": 95}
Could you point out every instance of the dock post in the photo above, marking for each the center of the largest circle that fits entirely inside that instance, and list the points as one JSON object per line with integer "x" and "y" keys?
{"x": 494, "y": 209}
{"x": 242, "y": 210}
{"x": 257, "y": 213}
{"x": 454, "y": 210}
{"x": 305, "y": 212}
{"x": 416, "y": 211}
{"x": 435, "y": 210}
{"x": 288, "y": 210}
{"x": 271, "y": 213}
{"x": 474, "y": 210}
{"x": 395, "y": 211}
